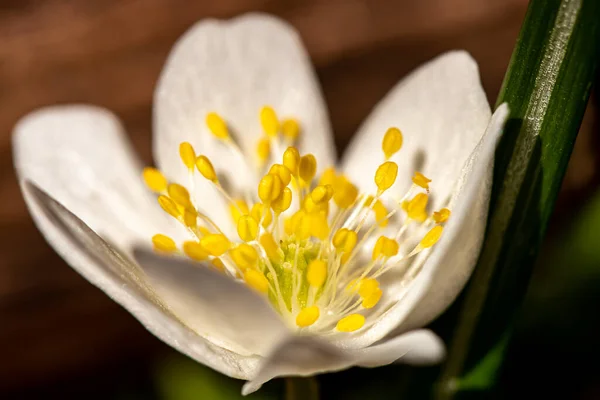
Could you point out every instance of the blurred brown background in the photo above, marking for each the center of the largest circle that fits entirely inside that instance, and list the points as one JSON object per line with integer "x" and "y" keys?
{"x": 54, "y": 326}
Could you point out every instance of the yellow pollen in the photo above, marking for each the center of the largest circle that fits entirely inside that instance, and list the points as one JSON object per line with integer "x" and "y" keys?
{"x": 217, "y": 126}
{"x": 180, "y": 195}
{"x": 322, "y": 194}
{"x": 367, "y": 287}
{"x": 441, "y": 216}
{"x": 392, "y": 142}
{"x": 307, "y": 168}
{"x": 263, "y": 150}
{"x": 204, "y": 231}
{"x": 415, "y": 208}
{"x": 319, "y": 226}
{"x": 385, "y": 247}
{"x": 307, "y": 316}
{"x": 270, "y": 246}
{"x": 421, "y": 180}
{"x": 291, "y": 223}
{"x": 282, "y": 172}
{"x": 260, "y": 212}
{"x": 195, "y": 251}
{"x": 169, "y": 206}
{"x": 291, "y": 159}
{"x": 190, "y": 219}
{"x": 247, "y": 228}
{"x": 269, "y": 121}
{"x": 164, "y": 243}
{"x": 218, "y": 264}
{"x": 344, "y": 192}
{"x": 373, "y": 298}
{"x": 154, "y": 179}
{"x": 432, "y": 237}
{"x": 256, "y": 281}
{"x": 187, "y": 154}
{"x": 386, "y": 175}
{"x": 244, "y": 255}
{"x": 380, "y": 211}
{"x": 328, "y": 177}
{"x": 206, "y": 168}
{"x": 238, "y": 208}
{"x": 344, "y": 240}
{"x": 283, "y": 202}
{"x": 290, "y": 128}
{"x": 350, "y": 323}
{"x": 216, "y": 244}
{"x": 269, "y": 188}
{"x": 317, "y": 273}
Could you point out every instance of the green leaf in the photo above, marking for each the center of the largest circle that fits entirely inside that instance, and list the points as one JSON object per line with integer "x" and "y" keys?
{"x": 546, "y": 86}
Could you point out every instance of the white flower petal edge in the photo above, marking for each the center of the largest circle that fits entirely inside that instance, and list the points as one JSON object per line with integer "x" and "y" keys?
{"x": 305, "y": 355}
{"x": 226, "y": 312}
{"x": 234, "y": 68}
{"x": 448, "y": 267}
{"x": 442, "y": 112}
{"x": 80, "y": 155}
{"x": 124, "y": 282}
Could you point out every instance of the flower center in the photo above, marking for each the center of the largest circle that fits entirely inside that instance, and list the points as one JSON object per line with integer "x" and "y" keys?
{"x": 302, "y": 239}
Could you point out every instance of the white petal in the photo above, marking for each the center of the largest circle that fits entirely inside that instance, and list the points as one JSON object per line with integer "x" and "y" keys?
{"x": 307, "y": 355}
{"x": 234, "y": 68}
{"x": 452, "y": 259}
{"x": 217, "y": 307}
{"x": 442, "y": 112}
{"x": 123, "y": 281}
{"x": 81, "y": 156}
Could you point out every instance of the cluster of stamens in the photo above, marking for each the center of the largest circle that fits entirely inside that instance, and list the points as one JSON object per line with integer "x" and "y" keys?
{"x": 308, "y": 259}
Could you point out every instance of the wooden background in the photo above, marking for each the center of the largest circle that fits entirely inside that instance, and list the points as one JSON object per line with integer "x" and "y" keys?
{"x": 54, "y": 326}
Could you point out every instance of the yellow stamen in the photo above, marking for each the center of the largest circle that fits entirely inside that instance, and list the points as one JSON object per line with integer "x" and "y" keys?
{"x": 206, "y": 168}
{"x": 169, "y": 206}
{"x": 318, "y": 225}
{"x": 187, "y": 154}
{"x": 307, "y": 316}
{"x": 373, "y": 298}
{"x": 415, "y": 208}
{"x": 328, "y": 177}
{"x": 441, "y": 216}
{"x": 392, "y": 142}
{"x": 218, "y": 264}
{"x": 380, "y": 211}
{"x": 431, "y": 237}
{"x": 217, "y": 126}
{"x": 247, "y": 228}
{"x": 244, "y": 255}
{"x": 291, "y": 159}
{"x": 260, "y": 212}
{"x": 283, "y": 202}
{"x": 290, "y": 128}
{"x": 282, "y": 172}
{"x": 163, "y": 243}
{"x": 154, "y": 179}
{"x": 385, "y": 247}
{"x": 195, "y": 251}
{"x": 350, "y": 323}
{"x": 322, "y": 194}
{"x": 317, "y": 273}
{"x": 256, "y": 281}
{"x": 269, "y": 188}
{"x": 344, "y": 240}
{"x": 307, "y": 168}
{"x": 238, "y": 208}
{"x": 180, "y": 195}
{"x": 270, "y": 246}
{"x": 344, "y": 192}
{"x": 216, "y": 244}
{"x": 269, "y": 121}
{"x": 421, "y": 180}
{"x": 367, "y": 287}
{"x": 190, "y": 218}
{"x": 386, "y": 175}
{"x": 263, "y": 150}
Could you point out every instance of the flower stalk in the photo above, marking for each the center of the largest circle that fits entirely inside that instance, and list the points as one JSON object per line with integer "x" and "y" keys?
{"x": 546, "y": 87}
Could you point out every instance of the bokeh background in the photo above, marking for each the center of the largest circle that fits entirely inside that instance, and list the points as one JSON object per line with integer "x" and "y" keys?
{"x": 61, "y": 337}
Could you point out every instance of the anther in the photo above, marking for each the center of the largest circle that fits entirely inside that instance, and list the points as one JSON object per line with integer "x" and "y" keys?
{"x": 322, "y": 194}
{"x": 290, "y": 128}
{"x": 386, "y": 175}
{"x": 316, "y": 273}
{"x": 291, "y": 159}
{"x": 260, "y": 212}
{"x": 163, "y": 243}
{"x": 244, "y": 255}
{"x": 373, "y": 298}
{"x": 269, "y": 188}
{"x": 187, "y": 154}
{"x": 282, "y": 172}
{"x": 431, "y": 237}
{"x": 180, "y": 195}
{"x": 216, "y": 244}
{"x": 421, "y": 180}
{"x": 247, "y": 228}
{"x": 283, "y": 202}
{"x": 154, "y": 179}
{"x": 238, "y": 208}
{"x": 169, "y": 206}
{"x": 441, "y": 216}
{"x": 392, "y": 142}
{"x": 344, "y": 240}
{"x": 307, "y": 168}
{"x": 195, "y": 251}
{"x": 307, "y": 316}
{"x": 217, "y": 126}
{"x": 269, "y": 121}
{"x": 263, "y": 150}
{"x": 415, "y": 208}
{"x": 256, "y": 281}
{"x": 271, "y": 248}
{"x": 206, "y": 168}
{"x": 385, "y": 247}
{"x": 350, "y": 323}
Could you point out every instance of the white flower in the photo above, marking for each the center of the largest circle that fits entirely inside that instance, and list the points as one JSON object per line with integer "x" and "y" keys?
{"x": 318, "y": 316}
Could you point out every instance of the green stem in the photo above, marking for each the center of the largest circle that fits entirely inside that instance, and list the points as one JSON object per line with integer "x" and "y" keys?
{"x": 546, "y": 86}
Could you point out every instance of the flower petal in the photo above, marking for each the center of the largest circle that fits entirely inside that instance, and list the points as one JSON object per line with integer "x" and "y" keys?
{"x": 451, "y": 261}
{"x": 122, "y": 280}
{"x": 234, "y": 68}
{"x": 442, "y": 112}
{"x": 80, "y": 155}
{"x": 217, "y": 307}
{"x": 306, "y": 355}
